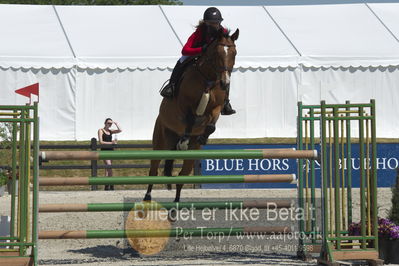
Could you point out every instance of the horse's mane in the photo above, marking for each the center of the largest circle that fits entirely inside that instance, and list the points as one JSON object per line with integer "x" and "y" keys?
{"x": 222, "y": 33}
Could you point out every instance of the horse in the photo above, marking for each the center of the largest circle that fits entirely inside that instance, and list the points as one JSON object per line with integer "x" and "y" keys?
{"x": 188, "y": 119}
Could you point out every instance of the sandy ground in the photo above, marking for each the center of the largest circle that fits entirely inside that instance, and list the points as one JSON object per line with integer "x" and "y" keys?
{"x": 206, "y": 250}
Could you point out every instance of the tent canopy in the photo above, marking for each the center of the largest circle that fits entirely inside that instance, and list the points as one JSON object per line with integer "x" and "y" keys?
{"x": 94, "y": 62}
{"x": 120, "y": 36}
{"x": 139, "y": 37}
{"x": 31, "y": 36}
{"x": 338, "y": 35}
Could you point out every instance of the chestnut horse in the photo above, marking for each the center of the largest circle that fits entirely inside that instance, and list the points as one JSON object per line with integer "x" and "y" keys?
{"x": 186, "y": 120}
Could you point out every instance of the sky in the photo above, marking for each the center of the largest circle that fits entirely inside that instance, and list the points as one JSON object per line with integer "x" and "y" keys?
{"x": 277, "y": 2}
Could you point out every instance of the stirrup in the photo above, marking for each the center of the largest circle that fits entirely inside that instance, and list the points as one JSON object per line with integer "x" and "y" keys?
{"x": 227, "y": 109}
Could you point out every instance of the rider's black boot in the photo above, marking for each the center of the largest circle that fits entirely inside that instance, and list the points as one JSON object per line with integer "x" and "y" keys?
{"x": 170, "y": 89}
{"x": 227, "y": 109}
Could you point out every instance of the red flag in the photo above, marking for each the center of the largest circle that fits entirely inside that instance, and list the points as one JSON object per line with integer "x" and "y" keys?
{"x": 29, "y": 90}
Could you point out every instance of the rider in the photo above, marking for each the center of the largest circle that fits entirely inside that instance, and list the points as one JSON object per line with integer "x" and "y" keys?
{"x": 197, "y": 44}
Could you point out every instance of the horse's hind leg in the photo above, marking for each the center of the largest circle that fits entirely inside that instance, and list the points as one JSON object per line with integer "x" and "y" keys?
{"x": 167, "y": 171}
{"x": 186, "y": 169}
{"x": 170, "y": 138}
{"x": 153, "y": 172}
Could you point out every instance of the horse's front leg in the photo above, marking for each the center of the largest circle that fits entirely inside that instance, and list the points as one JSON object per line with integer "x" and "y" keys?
{"x": 211, "y": 126}
{"x": 153, "y": 172}
{"x": 183, "y": 142}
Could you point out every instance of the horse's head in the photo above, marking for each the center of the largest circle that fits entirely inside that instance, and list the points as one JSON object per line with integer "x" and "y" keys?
{"x": 223, "y": 52}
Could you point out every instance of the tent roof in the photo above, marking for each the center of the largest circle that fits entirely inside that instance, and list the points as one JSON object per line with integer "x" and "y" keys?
{"x": 111, "y": 37}
{"x": 32, "y": 36}
{"x": 388, "y": 13}
{"x": 340, "y": 35}
{"x": 259, "y": 40}
{"x": 120, "y": 36}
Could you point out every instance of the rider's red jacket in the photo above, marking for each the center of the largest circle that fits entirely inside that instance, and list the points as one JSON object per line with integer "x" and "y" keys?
{"x": 195, "y": 42}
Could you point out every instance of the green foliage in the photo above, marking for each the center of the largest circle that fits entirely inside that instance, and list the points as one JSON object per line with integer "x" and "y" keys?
{"x": 5, "y": 137}
{"x": 3, "y": 177}
{"x": 394, "y": 213}
{"x": 5, "y": 132}
{"x": 92, "y": 2}
{"x": 5, "y": 143}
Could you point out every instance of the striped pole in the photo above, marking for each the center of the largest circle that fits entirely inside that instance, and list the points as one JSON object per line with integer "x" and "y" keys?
{"x": 190, "y": 154}
{"x": 175, "y": 232}
{"x": 199, "y": 205}
{"x": 140, "y": 180}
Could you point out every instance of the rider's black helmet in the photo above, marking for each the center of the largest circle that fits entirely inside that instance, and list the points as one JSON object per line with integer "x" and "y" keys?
{"x": 212, "y": 14}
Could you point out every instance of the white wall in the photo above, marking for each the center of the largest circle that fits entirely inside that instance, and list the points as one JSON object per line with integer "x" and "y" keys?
{"x": 357, "y": 85}
{"x": 74, "y": 103}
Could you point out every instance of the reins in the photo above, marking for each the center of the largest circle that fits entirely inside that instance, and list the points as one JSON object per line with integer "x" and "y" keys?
{"x": 214, "y": 66}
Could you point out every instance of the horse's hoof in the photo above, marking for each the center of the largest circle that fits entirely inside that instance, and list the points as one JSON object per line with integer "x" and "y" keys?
{"x": 169, "y": 187}
{"x": 147, "y": 197}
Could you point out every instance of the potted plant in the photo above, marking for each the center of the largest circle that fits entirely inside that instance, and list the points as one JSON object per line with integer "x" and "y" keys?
{"x": 388, "y": 239}
{"x": 388, "y": 229}
{"x": 394, "y": 213}
{"x": 392, "y": 242}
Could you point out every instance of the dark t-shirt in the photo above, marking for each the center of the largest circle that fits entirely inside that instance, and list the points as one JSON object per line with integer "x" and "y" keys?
{"x": 107, "y": 138}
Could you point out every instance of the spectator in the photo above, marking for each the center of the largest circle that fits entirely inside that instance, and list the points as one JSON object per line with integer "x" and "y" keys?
{"x": 105, "y": 138}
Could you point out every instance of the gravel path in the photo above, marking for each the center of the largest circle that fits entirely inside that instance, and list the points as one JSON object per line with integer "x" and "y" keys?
{"x": 209, "y": 250}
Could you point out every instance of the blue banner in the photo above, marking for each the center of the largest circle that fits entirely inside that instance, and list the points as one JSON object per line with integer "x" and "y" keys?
{"x": 387, "y": 163}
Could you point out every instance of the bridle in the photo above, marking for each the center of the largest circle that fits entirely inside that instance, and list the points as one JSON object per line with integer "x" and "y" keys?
{"x": 217, "y": 69}
{"x": 224, "y": 68}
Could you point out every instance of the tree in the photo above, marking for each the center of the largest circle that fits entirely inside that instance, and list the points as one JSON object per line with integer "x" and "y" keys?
{"x": 92, "y": 2}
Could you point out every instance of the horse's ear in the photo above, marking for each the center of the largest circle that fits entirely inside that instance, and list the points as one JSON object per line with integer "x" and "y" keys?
{"x": 220, "y": 32}
{"x": 234, "y": 37}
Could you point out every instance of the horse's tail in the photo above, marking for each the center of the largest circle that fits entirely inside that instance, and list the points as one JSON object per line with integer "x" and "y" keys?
{"x": 167, "y": 170}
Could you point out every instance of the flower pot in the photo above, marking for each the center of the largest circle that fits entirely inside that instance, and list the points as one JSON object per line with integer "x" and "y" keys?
{"x": 388, "y": 250}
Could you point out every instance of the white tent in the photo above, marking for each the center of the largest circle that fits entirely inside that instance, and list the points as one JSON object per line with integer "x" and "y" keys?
{"x": 94, "y": 62}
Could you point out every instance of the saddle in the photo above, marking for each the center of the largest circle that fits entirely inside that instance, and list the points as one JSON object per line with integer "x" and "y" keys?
{"x": 182, "y": 67}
